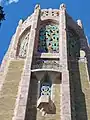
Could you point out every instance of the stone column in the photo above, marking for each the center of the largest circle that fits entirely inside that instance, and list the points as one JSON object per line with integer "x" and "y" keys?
{"x": 21, "y": 102}
{"x": 65, "y": 86}
{"x": 63, "y": 38}
{"x": 65, "y": 98}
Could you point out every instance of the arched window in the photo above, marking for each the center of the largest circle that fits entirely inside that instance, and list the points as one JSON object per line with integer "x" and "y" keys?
{"x": 23, "y": 44}
{"x": 48, "y": 39}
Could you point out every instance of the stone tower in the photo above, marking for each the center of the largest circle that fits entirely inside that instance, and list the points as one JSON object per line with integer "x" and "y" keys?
{"x": 45, "y": 72}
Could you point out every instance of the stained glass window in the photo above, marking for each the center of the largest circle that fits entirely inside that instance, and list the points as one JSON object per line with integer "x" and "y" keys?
{"x": 49, "y": 39}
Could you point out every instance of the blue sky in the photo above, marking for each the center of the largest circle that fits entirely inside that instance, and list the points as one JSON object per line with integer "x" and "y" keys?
{"x": 78, "y": 9}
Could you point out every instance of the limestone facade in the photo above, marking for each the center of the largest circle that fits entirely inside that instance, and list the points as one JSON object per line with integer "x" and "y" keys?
{"x": 45, "y": 72}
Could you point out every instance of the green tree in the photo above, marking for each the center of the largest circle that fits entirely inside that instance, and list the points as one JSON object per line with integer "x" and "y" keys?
{"x": 2, "y": 15}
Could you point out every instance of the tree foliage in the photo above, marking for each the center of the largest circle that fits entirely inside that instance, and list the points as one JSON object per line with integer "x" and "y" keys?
{"x": 2, "y": 15}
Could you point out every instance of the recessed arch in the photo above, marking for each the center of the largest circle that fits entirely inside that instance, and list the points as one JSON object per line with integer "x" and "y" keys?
{"x": 48, "y": 37}
{"x": 23, "y": 43}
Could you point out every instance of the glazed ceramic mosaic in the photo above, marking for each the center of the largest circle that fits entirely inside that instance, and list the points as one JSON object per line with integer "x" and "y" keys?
{"x": 49, "y": 39}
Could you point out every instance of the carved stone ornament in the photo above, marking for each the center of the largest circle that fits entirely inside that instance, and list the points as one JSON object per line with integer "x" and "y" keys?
{"x": 46, "y": 64}
{"x": 63, "y": 6}
{"x": 23, "y": 46}
{"x": 45, "y": 104}
{"x": 45, "y": 90}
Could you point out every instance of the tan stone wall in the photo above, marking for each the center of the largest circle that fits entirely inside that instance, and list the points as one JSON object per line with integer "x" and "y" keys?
{"x": 57, "y": 101}
{"x": 9, "y": 89}
{"x": 85, "y": 87}
{"x": 80, "y": 92}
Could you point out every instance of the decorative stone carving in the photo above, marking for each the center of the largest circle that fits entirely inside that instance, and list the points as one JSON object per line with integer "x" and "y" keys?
{"x": 55, "y": 13}
{"x": 45, "y": 104}
{"x": 50, "y": 13}
{"x": 23, "y": 44}
{"x": 49, "y": 39}
{"x": 46, "y": 64}
{"x": 26, "y": 24}
{"x": 45, "y": 90}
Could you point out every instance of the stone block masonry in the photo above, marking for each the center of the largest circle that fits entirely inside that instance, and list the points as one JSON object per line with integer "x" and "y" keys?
{"x": 9, "y": 90}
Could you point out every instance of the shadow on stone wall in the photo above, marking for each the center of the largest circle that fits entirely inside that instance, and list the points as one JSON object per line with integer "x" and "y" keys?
{"x": 88, "y": 66}
{"x": 31, "y": 110}
{"x": 78, "y": 103}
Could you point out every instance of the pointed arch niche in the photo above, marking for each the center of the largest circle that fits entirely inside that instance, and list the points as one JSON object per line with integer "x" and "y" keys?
{"x": 46, "y": 51}
{"x": 48, "y": 37}
{"x": 23, "y": 44}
